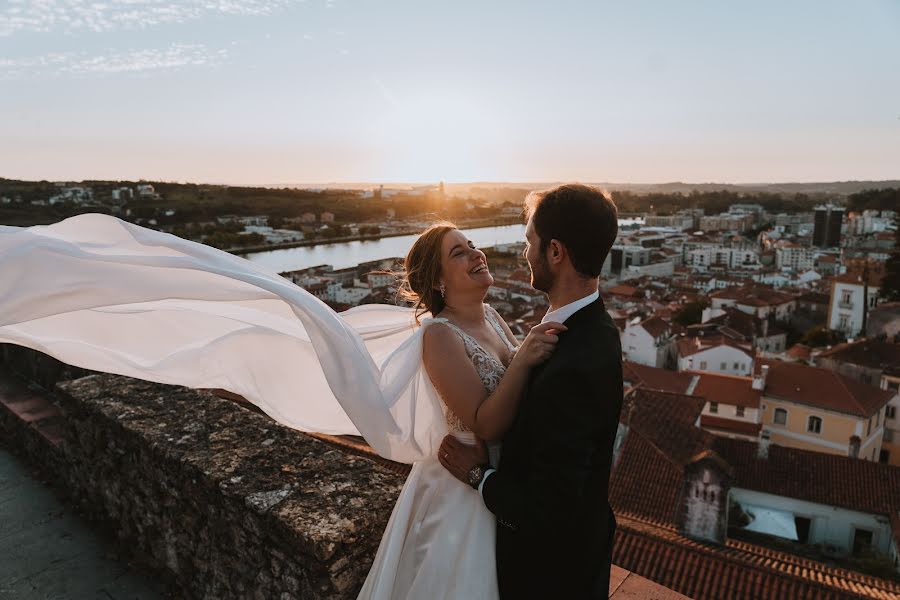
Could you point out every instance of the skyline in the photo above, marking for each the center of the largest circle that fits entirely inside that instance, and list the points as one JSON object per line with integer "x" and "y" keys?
{"x": 270, "y": 92}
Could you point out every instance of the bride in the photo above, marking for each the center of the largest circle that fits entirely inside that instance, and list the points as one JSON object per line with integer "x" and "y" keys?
{"x": 103, "y": 294}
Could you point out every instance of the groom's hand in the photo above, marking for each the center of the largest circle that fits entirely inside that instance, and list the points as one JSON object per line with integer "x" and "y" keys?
{"x": 458, "y": 457}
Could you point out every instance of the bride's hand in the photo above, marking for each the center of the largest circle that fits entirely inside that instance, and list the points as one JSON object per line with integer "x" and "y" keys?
{"x": 539, "y": 344}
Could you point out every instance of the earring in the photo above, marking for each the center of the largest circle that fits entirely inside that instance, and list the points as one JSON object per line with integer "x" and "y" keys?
{"x": 443, "y": 290}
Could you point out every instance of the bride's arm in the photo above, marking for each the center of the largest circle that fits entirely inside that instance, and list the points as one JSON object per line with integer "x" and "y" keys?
{"x": 455, "y": 379}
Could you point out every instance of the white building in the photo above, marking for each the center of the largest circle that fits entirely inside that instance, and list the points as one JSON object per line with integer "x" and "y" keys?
{"x": 351, "y": 296}
{"x": 718, "y": 355}
{"x": 849, "y": 296}
{"x": 794, "y": 257}
{"x": 648, "y": 342}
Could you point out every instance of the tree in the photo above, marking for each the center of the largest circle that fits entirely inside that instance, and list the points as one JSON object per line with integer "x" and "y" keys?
{"x": 690, "y": 314}
{"x": 819, "y": 336}
{"x": 890, "y": 285}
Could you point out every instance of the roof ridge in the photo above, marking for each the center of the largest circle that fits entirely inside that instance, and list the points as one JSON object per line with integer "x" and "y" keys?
{"x": 840, "y": 378}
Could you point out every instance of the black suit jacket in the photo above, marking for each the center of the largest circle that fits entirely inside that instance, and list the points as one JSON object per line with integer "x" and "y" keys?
{"x": 550, "y": 492}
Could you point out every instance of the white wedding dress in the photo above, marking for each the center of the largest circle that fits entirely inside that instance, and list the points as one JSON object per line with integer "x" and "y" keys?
{"x": 440, "y": 541}
{"x": 103, "y": 294}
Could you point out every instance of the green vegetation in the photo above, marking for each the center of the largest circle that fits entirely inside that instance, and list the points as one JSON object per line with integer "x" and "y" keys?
{"x": 882, "y": 199}
{"x": 690, "y": 314}
{"x": 890, "y": 285}
{"x": 820, "y": 335}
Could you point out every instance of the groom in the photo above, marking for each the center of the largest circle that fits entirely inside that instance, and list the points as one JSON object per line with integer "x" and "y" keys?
{"x": 554, "y": 524}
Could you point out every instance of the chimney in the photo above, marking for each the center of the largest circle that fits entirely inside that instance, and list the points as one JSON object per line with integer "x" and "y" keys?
{"x": 762, "y": 447}
{"x": 759, "y": 381}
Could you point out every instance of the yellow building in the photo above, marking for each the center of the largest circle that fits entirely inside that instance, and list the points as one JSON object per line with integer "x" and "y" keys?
{"x": 821, "y": 410}
{"x": 890, "y": 445}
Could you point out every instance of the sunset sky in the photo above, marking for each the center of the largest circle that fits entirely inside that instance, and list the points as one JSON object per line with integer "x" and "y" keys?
{"x": 282, "y": 91}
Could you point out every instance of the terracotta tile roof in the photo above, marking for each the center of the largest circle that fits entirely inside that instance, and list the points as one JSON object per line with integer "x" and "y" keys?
{"x": 730, "y": 425}
{"x": 823, "y": 388}
{"x": 655, "y": 326}
{"x": 830, "y": 479}
{"x": 644, "y": 482}
{"x": 732, "y": 390}
{"x": 644, "y": 493}
{"x": 624, "y": 290}
{"x": 688, "y": 346}
{"x": 662, "y": 439}
{"x": 875, "y": 354}
{"x": 746, "y": 324}
{"x": 753, "y": 296}
{"x": 856, "y": 278}
{"x": 739, "y": 570}
{"x": 655, "y": 378}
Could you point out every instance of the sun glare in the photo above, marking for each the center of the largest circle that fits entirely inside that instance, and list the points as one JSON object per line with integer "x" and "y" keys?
{"x": 437, "y": 135}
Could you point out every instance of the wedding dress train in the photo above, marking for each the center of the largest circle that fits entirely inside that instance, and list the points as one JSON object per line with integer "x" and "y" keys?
{"x": 103, "y": 294}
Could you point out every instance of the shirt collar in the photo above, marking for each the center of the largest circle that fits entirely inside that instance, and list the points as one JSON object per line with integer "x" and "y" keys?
{"x": 561, "y": 314}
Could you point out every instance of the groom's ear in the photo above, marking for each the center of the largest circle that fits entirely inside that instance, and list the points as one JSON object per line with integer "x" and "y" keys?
{"x": 557, "y": 251}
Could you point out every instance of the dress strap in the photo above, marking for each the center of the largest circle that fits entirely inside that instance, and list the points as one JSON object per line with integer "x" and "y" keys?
{"x": 492, "y": 319}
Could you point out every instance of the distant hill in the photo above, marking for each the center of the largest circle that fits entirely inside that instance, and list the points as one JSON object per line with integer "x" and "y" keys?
{"x": 831, "y": 188}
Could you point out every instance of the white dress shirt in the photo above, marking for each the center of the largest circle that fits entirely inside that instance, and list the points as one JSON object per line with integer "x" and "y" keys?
{"x": 559, "y": 315}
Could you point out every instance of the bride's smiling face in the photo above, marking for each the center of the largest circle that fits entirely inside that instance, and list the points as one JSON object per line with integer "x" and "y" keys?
{"x": 463, "y": 266}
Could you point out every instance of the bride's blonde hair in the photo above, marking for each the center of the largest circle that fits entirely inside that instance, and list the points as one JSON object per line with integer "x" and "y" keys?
{"x": 421, "y": 277}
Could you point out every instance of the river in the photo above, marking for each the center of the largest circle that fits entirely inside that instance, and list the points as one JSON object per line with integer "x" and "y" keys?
{"x": 349, "y": 254}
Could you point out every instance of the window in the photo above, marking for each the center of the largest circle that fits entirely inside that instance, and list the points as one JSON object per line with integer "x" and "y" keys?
{"x": 845, "y": 296}
{"x": 814, "y": 425}
{"x": 737, "y": 366}
{"x": 843, "y": 322}
{"x": 702, "y": 365}
{"x": 869, "y": 427}
{"x": 713, "y": 407}
{"x": 893, "y": 386}
{"x": 862, "y": 541}
{"x": 739, "y": 411}
{"x": 723, "y": 366}
{"x": 888, "y": 435}
{"x": 780, "y": 416}
{"x": 890, "y": 411}
{"x": 884, "y": 457}
{"x": 803, "y": 525}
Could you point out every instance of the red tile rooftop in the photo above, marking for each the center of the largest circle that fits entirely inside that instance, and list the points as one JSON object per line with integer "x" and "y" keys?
{"x": 875, "y": 354}
{"x": 730, "y": 425}
{"x": 655, "y": 378}
{"x": 688, "y": 346}
{"x": 732, "y": 390}
{"x": 822, "y": 388}
{"x": 737, "y": 570}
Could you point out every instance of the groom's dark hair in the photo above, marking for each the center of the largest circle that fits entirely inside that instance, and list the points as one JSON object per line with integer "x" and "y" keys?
{"x": 583, "y": 218}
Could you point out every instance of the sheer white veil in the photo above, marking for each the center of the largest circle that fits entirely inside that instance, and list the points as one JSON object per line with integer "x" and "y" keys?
{"x": 97, "y": 292}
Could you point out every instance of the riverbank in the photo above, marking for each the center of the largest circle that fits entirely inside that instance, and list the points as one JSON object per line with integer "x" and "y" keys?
{"x": 468, "y": 224}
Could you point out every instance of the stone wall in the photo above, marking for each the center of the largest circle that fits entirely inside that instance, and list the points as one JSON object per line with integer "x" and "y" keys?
{"x": 225, "y": 502}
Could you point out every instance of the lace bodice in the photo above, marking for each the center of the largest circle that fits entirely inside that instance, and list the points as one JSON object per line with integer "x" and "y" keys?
{"x": 489, "y": 369}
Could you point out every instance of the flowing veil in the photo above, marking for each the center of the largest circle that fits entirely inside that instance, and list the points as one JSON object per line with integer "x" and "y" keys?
{"x": 97, "y": 292}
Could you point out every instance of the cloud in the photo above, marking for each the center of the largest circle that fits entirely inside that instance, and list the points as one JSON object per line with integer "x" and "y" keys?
{"x": 111, "y": 15}
{"x": 176, "y": 56}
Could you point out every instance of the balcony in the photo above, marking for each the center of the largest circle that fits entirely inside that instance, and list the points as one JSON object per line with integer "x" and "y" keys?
{"x": 845, "y": 305}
